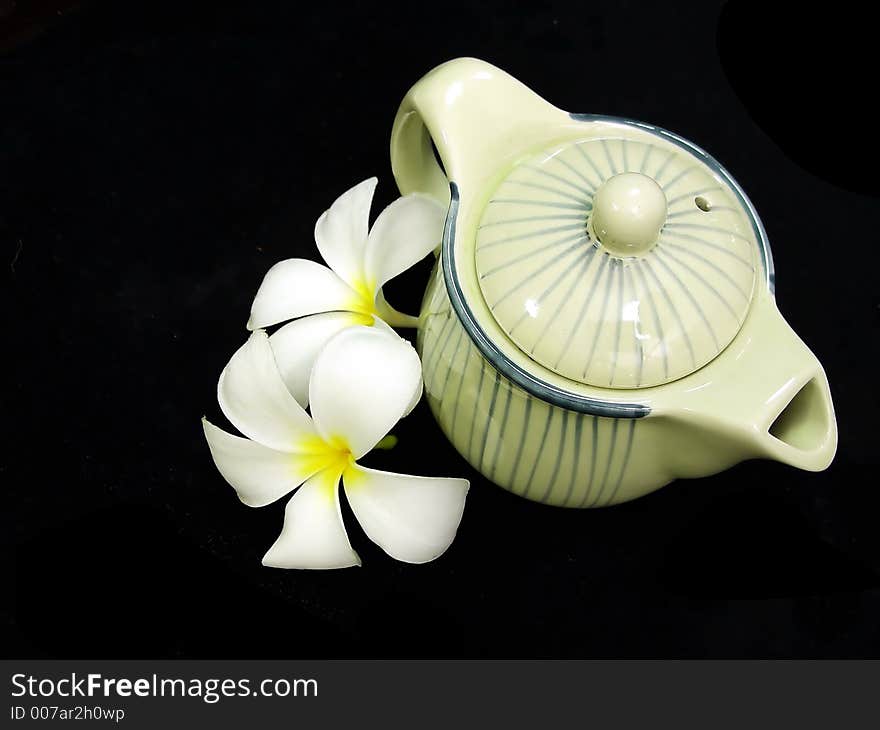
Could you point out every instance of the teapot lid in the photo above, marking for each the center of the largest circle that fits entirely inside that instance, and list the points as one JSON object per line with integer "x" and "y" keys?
{"x": 619, "y": 261}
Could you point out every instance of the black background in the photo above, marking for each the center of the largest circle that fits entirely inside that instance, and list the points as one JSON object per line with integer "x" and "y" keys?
{"x": 157, "y": 157}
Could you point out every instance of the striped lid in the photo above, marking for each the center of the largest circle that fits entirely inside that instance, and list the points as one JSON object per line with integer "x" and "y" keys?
{"x": 617, "y": 261}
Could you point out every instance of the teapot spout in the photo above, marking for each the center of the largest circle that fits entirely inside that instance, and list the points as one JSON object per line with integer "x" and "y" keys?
{"x": 768, "y": 398}
{"x": 804, "y": 434}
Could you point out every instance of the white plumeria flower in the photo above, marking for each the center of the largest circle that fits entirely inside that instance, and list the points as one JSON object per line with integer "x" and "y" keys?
{"x": 361, "y": 384}
{"x": 349, "y": 292}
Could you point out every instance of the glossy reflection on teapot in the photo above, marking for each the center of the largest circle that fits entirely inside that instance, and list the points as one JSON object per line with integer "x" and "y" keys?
{"x": 601, "y": 319}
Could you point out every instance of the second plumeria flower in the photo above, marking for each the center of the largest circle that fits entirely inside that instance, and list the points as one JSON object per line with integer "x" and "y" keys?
{"x": 362, "y": 382}
{"x": 323, "y": 300}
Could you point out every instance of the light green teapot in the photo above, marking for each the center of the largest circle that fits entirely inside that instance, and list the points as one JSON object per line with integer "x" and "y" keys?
{"x": 601, "y": 319}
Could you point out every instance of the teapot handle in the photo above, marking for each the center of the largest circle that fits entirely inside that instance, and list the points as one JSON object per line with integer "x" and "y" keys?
{"x": 477, "y": 116}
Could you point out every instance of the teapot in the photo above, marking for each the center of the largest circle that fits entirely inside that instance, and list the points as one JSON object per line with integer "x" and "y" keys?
{"x": 601, "y": 318}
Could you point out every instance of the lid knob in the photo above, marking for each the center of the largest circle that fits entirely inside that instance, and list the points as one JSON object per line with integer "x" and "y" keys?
{"x": 628, "y": 211}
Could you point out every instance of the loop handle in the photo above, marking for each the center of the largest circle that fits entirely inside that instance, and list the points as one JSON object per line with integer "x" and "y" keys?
{"x": 477, "y": 116}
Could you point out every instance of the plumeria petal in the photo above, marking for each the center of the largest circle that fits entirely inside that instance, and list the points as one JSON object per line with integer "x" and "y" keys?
{"x": 297, "y": 344}
{"x": 313, "y": 535}
{"x": 416, "y": 397}
{"x": 297, "y": 287}
{"x": 258, "y": 474}
{"x": 362, "y": 383}
{"x": 403, "y": 234}
{"x": 380, "y": 324}
{"x": 413, "y": 519}
{"x": 341, "y": 232}
{"x": 253, "y": 397}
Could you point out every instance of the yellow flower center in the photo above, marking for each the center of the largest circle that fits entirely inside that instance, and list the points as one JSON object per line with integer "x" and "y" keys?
{"x": 327, "y": 460}
{"x": 364, "y": 303}
{"x": 368, "y": 302}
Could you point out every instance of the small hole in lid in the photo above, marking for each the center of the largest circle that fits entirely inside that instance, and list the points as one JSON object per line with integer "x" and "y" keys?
{"x": 702, "y": 204}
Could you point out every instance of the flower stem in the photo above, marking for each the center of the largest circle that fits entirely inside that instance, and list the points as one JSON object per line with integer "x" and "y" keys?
{"x": 391, "y": 316}
{"x": 399, "y": 319}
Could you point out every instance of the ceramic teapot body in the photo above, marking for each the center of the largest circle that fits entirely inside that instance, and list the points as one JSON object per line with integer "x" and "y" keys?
{"x": 601, "y": 319}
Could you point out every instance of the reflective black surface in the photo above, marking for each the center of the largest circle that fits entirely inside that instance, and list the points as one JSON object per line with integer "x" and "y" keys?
{"x": 157, "y": 157}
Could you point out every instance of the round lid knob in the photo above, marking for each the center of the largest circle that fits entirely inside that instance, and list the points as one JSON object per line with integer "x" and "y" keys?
{"x": 629, "y": 210}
